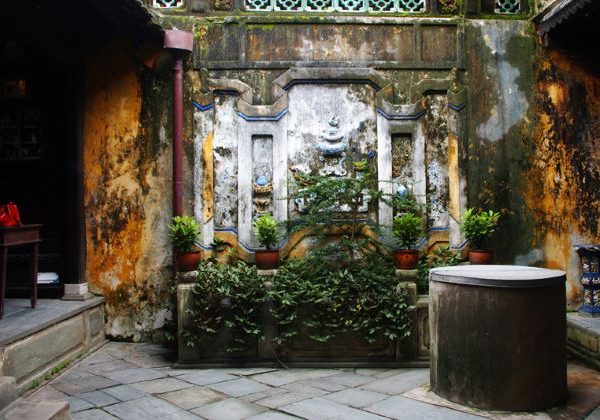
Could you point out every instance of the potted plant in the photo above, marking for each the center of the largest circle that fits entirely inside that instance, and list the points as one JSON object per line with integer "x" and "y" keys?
{"x": 407, "y": 228}
{"x": 478, "y": 229}
{"x": 266, "y": 230}
{"x": 185, "y": 232}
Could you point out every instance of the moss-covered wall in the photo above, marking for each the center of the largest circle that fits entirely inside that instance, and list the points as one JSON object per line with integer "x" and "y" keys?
{"x": 127, "y": 184}
{"x": 562, "y": 188}
{"x": 530, "y": 146}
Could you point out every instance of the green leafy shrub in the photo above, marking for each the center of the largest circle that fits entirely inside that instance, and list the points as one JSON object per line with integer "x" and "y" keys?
{"x": 408, "y": 228}
{"x": 228, "y": 297}
{"x": 185, "y": 232}
{"x": 310, "y": 295}
{"x": 333, "y": 208}
{"x": 266, "y": 230}
{"x": 479, "y": 227}
{"x": 307, "y": 295}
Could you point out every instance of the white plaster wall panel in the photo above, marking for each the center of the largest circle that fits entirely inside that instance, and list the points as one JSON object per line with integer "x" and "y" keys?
{"x": 384, "y": 169}
{"x": 203, "y": 125}
{"x": 419, "y": 164}
{"x": 310, "y": 109}
{"x": 226, "y": 162}
{"x": 436, "y": 125}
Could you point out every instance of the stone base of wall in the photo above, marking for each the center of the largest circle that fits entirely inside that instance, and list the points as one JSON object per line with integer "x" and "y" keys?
{"x": 69, "y": 335}
{"x": 583, "y": 338}
{"x": 346, "y": 350}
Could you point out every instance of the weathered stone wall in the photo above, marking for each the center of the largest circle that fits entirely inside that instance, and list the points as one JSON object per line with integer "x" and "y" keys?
{"x": 562, "y": 188}
{"x": 513, "y": 128}
{"x": 127, "y": 183}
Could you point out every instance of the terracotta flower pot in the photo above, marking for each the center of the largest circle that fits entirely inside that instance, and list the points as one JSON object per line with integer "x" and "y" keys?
{"x": 188, "y": 261}
{"x": 406, "y": 259}
{"x": 481, "y": 257}
{"x": 267, "y": 259}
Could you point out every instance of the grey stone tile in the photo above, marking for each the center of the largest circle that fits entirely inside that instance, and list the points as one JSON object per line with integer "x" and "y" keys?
{"x": 399, "y": 383}
{"x": 304, "y": 389}
{"x": 77, "y": 382}
{"x": 98, "y": 398}
{"x": 97, "y": 358}
{"x": 93, "y": 414}
{"x": 317, "y": 373}
{"x": 386, "y": 373}
{"x": 175, "y": 372}
{"x": 357, "y": 398}
{"x": 160, "y": 386}
{"x": 349, "y": 379}
{"x": 78, "y": 404}
{"x": 276, "y": 401}
{"x": 101, "y": 368}
{"x": 248, "y": 371}
{"x": 148, "y": 408}
{"x": 239, "y": 387}
{"x": 193, "y": 397}
{"x": 129, "y": 376}
{"x": 404, "y": 408}
{"x": 320, "y": 408}
{"x": 124, "y": 392}
{"x": 147, "y": 361}
{"x": 230, "y": 409}
{"x": 263, "y": 394}
{"x": 283, "y": 377}
{"x": 278, "y": 377}
{"x": 369, "y": 371}
{"x": 271, "y": 415}
{"x": 206, "y": 377}
{"x": 321, "y": 384}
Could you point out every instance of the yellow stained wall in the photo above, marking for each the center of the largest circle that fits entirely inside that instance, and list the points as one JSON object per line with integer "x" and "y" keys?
{"x": 562, "y": 186}
{"x": 127, "y": 189}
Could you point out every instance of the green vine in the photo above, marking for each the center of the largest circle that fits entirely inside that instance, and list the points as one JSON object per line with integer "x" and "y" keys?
{"x": 228, "y": 297}
{"x": 310, "y": 295}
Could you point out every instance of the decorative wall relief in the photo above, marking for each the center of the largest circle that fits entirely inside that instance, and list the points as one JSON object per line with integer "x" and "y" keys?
{"x": 328, "y": 126}
{"x": 402, "y": 164}
{"x": 262, "y": 171}
{"x": 332, "y": 150}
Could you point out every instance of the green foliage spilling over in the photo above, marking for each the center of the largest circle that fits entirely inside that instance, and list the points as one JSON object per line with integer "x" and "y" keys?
{"x": 306, "y": 296}
{"x": 312, "y": 296}
{"x": 266, "y": 230}
{"x": 185, "y": 232}
{"x": 479, "y": 227}
{"x": 408, "y": 228}
{"x": 333, "y": 207}
{"x": 228, "y": 297}
{"x": 441, "y": 257}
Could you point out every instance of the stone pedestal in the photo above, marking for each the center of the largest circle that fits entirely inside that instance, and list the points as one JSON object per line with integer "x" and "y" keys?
{"x": 498, "y": 336}
{"x": 407, "y": 281}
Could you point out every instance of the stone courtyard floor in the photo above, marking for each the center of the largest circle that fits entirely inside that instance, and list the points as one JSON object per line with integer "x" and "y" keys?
{"x": 136, "y": 381}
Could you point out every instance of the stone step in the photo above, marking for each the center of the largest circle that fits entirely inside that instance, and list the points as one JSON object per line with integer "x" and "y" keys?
{"x": 583, "y": 338}
{"x": 37, "y": 410}
{"x": 8, "y": 391}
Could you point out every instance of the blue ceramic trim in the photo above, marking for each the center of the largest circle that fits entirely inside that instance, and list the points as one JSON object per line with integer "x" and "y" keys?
{"x": 275, "y": 117}
{"x": 201, "y": 107}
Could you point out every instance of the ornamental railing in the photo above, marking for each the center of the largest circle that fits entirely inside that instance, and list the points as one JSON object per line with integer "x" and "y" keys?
{"x": 353, "y": 6}
{"x": 344, "y": 6}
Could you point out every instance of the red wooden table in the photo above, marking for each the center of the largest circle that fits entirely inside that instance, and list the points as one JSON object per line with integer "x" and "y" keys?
{"x": 16, "y": 236}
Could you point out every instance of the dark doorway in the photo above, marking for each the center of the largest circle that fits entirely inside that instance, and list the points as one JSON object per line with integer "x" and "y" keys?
{"x": 38, "y": 124}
